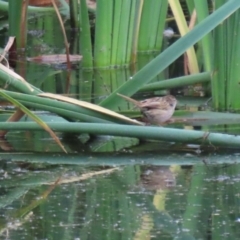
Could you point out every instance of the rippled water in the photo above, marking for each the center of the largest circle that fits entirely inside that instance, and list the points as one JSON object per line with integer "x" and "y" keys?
{"x": 131, "y": 201}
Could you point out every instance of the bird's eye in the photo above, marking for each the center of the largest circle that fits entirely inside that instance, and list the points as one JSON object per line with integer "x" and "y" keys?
{"x": 171, "y": 104}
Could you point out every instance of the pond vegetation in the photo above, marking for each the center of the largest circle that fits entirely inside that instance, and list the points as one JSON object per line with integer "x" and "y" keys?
{"x": 80, "y": 162}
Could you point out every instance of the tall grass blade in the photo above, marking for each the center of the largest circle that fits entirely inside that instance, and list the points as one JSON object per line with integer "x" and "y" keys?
{"x": 65, "y": 43}
{"x": 131, "y": 35}
{"x": 163, "y": 60}
{"x": 178, "y": 82}
{"x": 207, "y": 41}
{"x": 161, "y": 25}
{"x": 183, "y": 29}
{"x": 85, "y": 36}
{"x": 233, "y": 63}
{"x": 149, "y": 25}
{"x": 103, "y": 33}
{"x": 137, "y": 21}
{"x": 17, "y": 21}
{"x": 123, "y": 38}
{"x": 142, "y": 132}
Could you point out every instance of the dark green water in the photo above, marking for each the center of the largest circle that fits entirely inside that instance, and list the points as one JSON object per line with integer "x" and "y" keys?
{"x": 120, "y": 197}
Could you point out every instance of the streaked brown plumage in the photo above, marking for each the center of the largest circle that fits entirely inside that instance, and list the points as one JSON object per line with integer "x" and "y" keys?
{"x": 157, "y": 110}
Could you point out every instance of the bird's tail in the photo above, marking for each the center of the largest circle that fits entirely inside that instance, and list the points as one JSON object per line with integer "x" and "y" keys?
{"x": 135, "y": 102}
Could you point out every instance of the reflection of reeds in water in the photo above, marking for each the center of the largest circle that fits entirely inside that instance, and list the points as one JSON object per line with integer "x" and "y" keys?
{"x": 157, "y": 178}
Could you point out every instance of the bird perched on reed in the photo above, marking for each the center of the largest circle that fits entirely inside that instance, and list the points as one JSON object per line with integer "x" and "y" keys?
{"x": 156, "y": 110}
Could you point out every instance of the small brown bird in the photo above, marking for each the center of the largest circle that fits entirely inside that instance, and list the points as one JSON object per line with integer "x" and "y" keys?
{"x": 157, "y": 110}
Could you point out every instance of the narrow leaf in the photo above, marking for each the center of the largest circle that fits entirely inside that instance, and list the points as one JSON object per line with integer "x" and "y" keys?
{"x": 34, "y": 117}
{"x": 89, "y": 106}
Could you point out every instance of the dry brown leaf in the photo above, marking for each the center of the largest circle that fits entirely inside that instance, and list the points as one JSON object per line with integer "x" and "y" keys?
{"x": 55, "y": 59}
{"x": 90, "y": 106}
